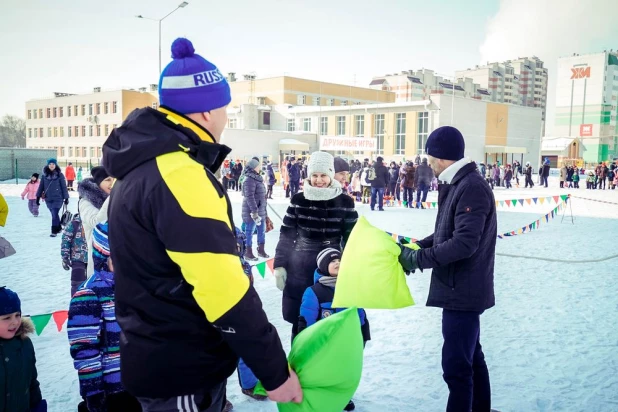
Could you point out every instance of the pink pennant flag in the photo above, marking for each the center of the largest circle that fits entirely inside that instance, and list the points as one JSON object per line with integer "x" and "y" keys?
{"x": 271, "y": 265}
{"x": 60, "y": 317}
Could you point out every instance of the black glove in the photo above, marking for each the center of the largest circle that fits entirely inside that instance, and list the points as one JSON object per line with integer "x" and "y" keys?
{"x": 66, "y": 201}
{"x": 66, "y": 264}
{"x": 407, "y": 259}
{"x": 38, "y": 201}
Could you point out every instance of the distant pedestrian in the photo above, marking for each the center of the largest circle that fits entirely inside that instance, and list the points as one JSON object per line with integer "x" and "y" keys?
{"x": 53, "y": 189}
{"x": 30, "y": 192}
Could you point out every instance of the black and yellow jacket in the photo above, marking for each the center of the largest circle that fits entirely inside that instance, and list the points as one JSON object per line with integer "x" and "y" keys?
{"x": 185, "y": 306}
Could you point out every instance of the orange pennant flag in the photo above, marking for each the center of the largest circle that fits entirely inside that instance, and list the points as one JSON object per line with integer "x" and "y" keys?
{"x": 271, "y": 265}
{"x": 529, "y": 201}
{"x": 60, "y": 317}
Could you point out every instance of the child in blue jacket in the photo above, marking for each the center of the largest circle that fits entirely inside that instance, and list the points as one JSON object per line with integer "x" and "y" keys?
{"x": 318, "y": 299}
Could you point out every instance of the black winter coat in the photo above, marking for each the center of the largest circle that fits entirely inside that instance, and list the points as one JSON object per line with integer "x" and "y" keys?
{"x": 309, "y": 227}
{"x": 253, "y": 196}
{"x": 393, "y": 174}
{"x": 54, "y": 186}
{"x": 463, "y": 247}
{"x": 382, "y": 176}
{"x": 424, "y": 175}
{"x": 294, "y": 172}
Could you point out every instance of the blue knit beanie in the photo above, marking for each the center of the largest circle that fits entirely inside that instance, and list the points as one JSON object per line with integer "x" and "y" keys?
{"x": 446, "y": 143}
{"x": 190, "y": 83}
{"x": 9, "y": 301}
{"x": 52, "y": 160}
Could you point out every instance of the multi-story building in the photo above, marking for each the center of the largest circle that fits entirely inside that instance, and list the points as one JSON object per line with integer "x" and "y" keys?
{"x": 586, "y": 103}
{"x": 411, "y": 85}
{"x": 77, "y": 125}
{"x": 521, "y": 82}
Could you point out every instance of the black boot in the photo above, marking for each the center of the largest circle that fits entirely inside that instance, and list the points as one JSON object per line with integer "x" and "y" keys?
{"x": 262, "y": 252}
{"x": 228, "y": 406}
{"x": 249, "y": 254}
{"x": 350, "y": 406}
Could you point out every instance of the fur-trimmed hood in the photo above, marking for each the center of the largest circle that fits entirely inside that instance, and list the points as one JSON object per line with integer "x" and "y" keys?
{"x": 91, "y": 192}
{"x": 47, "y": 173}
{"x": 26, "y": 328}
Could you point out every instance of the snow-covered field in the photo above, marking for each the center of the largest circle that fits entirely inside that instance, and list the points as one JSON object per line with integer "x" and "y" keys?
{"x": 551, "y": 341}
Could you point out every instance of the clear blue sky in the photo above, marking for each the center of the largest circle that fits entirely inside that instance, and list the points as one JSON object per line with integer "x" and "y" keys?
{"x": 72, "y": 46}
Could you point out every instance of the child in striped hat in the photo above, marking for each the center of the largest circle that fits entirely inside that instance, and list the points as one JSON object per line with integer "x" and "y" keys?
{"x": 94, "y": 335}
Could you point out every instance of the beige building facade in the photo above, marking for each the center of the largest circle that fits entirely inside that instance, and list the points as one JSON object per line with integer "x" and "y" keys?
{"x": 76, "y": 126}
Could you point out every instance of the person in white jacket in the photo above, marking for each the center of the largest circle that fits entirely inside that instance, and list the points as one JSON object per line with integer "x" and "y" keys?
{"x": 92, "y": 207}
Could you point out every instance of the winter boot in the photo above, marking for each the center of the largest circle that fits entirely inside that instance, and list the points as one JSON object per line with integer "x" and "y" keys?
{"x": 228, "y": 406}
{"x": 350, "y": 406}
{"x": 249, "y": 254}
{"x": 249, "y": 393}
{"x": 262, "y": 252}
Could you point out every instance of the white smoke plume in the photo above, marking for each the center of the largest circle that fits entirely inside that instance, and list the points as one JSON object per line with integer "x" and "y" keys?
{"x": 550, "y": 29}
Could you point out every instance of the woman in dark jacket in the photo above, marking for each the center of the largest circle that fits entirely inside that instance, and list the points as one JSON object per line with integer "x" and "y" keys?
{"x": 236, "y": 173}
{"x": 393, "y": 189}
{"x": 270, "y": 173}
{"x": 254, "y": 208}
{"x": 320, "y": 217}
{"x": 53, "y": 189}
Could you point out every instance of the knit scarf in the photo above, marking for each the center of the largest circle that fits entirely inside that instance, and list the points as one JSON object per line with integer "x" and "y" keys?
{"x": 330, "y": 281}
{"x": 322, "y": 193}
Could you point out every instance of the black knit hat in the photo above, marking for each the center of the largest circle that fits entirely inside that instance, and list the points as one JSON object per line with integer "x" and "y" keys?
{"x": 341, "y": 165}
{"x": 98, "y": 174}
{"x": 446, "y": 143}
{"x": 9, "y": 301}
{"x": 35, "y": 175}
{"x": 325, "y": 257}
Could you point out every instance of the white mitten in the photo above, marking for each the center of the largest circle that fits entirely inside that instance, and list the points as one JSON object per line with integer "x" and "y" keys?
{"x": 281, "y": 276}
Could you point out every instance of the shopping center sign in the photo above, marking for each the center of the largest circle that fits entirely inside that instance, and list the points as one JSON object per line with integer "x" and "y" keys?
{"x": 585, "y": 130}
{"x": 580, "y": 73}
{"x": 369, "y": 144}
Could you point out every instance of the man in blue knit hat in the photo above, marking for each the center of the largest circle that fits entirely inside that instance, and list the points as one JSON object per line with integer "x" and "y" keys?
{"x": 186, "y": 308}
{"x": 461, "y": 252}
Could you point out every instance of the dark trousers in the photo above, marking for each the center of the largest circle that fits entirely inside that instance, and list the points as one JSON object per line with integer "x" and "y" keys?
{"x": 209, "y": 400}
{"x": 393, "y": 190}
{"x": 226, "y": 183}
{"x": 379, "y": 193}
{"x": 544, "y": 180}
{"x": 78, "y": 275}
{"x": 117, "y": 402}
{"x": 602, "y": 183}
{"x": 294, "y": 187}
{"x": 508, "y": 183}
{"x": 70, "y": 184}
{"x": 269, "y": 193}
{"x": 408, "y": 196}
{"x": 422, "y": 188}
{"x": 490, "y": 181}
{"x": 55, "y": 214}
{"x": 33, "y": 207}
{"x": 529, "y": 181}
{"x": 463, "y": 362}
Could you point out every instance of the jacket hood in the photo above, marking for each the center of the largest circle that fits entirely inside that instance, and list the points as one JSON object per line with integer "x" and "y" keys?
{"x": 317, "y": 275}
{"x": 89, "y": 190}
{"x": 26, "y": 328}
{"x": 252, "y": 174}
{"x": 147, "y": 133}
{"x": 47, "y": 172}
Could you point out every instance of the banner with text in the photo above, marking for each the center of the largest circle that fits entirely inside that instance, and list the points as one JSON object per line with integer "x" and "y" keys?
{"x": 348, "y": 143}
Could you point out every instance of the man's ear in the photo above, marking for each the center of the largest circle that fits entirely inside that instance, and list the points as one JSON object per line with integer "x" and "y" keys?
{"x": 206, "y": 116}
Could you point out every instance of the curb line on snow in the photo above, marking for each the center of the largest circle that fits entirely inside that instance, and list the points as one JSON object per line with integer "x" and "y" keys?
{"x": 558, "y": 260}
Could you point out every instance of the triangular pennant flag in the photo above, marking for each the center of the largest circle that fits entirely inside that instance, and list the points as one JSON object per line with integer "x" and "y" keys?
{"x": 514, "y": 202}
{"x": 60, "y": 317}
{"x": 389, "y": 233}
{"x": 261, "y": 267}
{"x": 407, "y": 239}
{"x": 547, "y": 217}
{"x": 533, "y": 226}
{"x": 535, "y": 199}
{"x": 530, "y": 227}
{"x": 508, "y": 203}
{"x": 523, "y": 229}
{"x": 564, "y": 197}
{"x": 499, "y": 236}
{"x": 502, "y": 203}
{"x": 538, "y": 223}
{"x": 434, "y": 204}
{"x": 395, "y": 237}
{"x": 542, "y": 200}
{"x": 552, "y": 214}
{"x": 513, "y": 233}
{"x": 521, "y": 202}
{"x": 549, "y": 199}
{"x": 556, "y": 198}
{"x": 40, "y": 321}
{"x": 271, "y": 265}
{"x": 497, "y": 203}
{"x": 529, "y": 201}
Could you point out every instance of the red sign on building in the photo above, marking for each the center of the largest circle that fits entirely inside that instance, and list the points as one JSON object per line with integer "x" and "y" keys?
{"x": 585, "y": 130}
{"x": 580, "y": 73}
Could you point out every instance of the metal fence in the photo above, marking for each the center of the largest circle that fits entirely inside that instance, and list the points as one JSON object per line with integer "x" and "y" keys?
{"x": 21, "y": 163}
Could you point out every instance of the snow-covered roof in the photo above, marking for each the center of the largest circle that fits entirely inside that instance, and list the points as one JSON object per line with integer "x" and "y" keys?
{"x": 556, "y": 143}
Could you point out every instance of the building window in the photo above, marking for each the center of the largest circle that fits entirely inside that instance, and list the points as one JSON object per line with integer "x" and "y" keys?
{"x": 359, "y": 125}
{"x": 30, "y": 133}
{"x": 75, "y": 112}
{"x": 266, "y": 118}
{"x": 36, "y": 132}
{"x": 400, "y": 134}
{"x": 291, "y": 125}
{"x": 49, "y": 132}
{"x": 307, "y": 124}
{"x": 40, "y": 113}
{"x": 232, "y": 123}
{"x": 69, "y": 130}
{"x": 98, "y": 130}
{"x": 90, "y": 130}
{"x": 90, "y": 109}
{"x": 301, "y": 99}
{"x": 61, "y": 111}
{"x": 106, "y": 130}
{"x": 114, "y": 107}
{"x": 92, "y": 152}
{"x": 83, "y": 109}
{"x": 41, "y": 132}
{"x": 324, "y": 126}
{"x": 62, "y": 152}
{"x": 70, "y": 152}
{"x": 29, "y": 114}
{"x": 98, "y": 108}
{"x": 105, "y": 108}
{"x": 48, "y": 112}
{"x": 340, "y": 125}
{"x": 316, "y": 101}
{"x": 330, "y": 102}
{"x": 55, "y": 111}
{"x": 83, "y": 131}
{"x": 378, "y": 131}
{"x": 344, "y": 103}
{"x": 61, "y": 131}
{"x": 84, "y": 151}
{"x": 76, "y": 129}
{"x": 423, "y": 131}
{"x": 68, "y": 111}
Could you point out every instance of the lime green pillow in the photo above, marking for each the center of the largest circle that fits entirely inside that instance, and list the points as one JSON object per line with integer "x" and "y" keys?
{"x": 328, "y": 358}
{"x": 370, "y": 275}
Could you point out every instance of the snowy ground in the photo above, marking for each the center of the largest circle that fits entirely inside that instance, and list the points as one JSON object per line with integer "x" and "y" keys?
{"x": 551, "y": 342}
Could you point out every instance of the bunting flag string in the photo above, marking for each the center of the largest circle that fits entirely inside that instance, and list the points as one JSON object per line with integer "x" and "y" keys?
{"x": 389, "y": 201}
{"x": 261, "y": 267}
{"x": 41, "y": 321}
{"x": 594, "y": 200}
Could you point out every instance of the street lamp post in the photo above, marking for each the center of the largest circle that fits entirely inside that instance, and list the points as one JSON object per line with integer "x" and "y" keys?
{"x": 181, "y": 5}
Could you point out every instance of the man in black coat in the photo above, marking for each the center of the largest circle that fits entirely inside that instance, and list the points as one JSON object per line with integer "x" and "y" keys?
{"x": 461, "y": 253}
{"x": 379, "y": 183}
